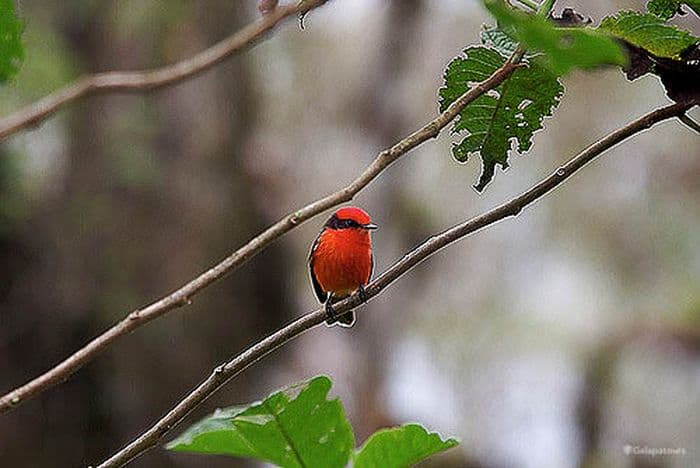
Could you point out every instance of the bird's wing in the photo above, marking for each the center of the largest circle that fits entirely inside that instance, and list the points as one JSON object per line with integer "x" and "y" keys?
{"x": 320, "y": 293}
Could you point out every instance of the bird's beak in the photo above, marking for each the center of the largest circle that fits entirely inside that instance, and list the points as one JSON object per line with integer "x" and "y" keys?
{"x": 370, "y": 226}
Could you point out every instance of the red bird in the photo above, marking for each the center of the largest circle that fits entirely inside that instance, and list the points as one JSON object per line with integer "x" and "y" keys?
{"x": 341, "y": 260}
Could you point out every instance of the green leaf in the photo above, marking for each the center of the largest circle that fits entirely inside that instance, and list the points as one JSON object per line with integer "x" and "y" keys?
{"x": 649, "y": 32}
{"x": 295, "y": 427}
{"x": 564, "y": 48}
{"x": 400, "y": 447}
{"x": 666, "y": 9}
{"x": 513, "y": 110}
{"x": 499, "y": 39}
{"x": 11, "y": 50}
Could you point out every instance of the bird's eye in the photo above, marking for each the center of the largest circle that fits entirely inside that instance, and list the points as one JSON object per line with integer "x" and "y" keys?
{"x": 345, "y": 224}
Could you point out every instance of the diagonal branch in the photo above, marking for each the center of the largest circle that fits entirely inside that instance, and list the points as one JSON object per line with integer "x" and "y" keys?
{"x": 183, "y": 295}
{"x": 146, "y": 80}
{"x": 230, "y": 369}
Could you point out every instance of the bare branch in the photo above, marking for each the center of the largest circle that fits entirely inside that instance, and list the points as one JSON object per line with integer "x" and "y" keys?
{"x": 230, "y": 369}
{"x": 182, "y": 296}
{"x": 146, "y": 80}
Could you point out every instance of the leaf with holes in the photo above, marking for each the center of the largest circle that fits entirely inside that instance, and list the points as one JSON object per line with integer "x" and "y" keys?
{"x": 11, "y": 50}
{"x": 513, "y": 111}
{"x": 650, "y": 33}
{"x": 295, "y": 427}
{"x": 563, "y": 49}
{"x": 666, "y": 9}
{"x": 399, "y": 447}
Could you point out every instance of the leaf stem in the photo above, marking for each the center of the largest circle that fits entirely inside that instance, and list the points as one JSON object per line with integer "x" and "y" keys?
{"x": 534, "y": 6}
{"x": 546, "y": 8}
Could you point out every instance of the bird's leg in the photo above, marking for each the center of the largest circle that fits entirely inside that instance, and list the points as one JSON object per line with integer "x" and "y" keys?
{"x": 331, "y": 318}
{"x": 363, "y": 294}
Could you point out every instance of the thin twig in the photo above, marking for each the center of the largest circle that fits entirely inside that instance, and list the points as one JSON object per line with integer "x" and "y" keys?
{"x": 183, "y": 295}
{"x": 230, "y": 369}
{"x": 685, "y": 118}
{"x": 146, "y": 80}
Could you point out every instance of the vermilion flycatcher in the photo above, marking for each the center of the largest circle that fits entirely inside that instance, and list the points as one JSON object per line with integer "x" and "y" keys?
{"x": 341, "y": 260}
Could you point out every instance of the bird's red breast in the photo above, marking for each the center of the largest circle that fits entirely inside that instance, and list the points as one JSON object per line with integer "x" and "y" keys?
{"x": 341, "y": 257}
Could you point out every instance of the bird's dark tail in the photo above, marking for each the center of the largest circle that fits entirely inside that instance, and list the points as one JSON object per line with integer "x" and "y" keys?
{"x": 347, "y": 320}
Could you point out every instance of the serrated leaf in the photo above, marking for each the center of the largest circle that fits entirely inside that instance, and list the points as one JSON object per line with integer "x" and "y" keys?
{"x": 400, "y": 447}
{"x": 649, "y": 32}
{"x": 564, "y": 48}
{"x": 11, "y": 50}
{"x": 512, "y": 111}
{"x": 666, "y": 9}
{"x": 295, "y": 427}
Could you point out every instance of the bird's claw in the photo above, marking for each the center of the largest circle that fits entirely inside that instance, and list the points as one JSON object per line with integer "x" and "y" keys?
{"x": 331, "y": 317}
{"x": 363, "y": 294}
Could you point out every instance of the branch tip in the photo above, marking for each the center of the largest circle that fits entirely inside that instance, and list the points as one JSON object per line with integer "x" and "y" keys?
{"x": 33, "y": 114}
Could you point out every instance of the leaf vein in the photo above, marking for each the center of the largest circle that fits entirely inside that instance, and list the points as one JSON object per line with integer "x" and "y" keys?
{"x": 284, "y": 434}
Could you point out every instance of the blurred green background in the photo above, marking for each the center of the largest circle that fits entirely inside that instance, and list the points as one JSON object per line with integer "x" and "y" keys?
{"x": 552, "y": 340}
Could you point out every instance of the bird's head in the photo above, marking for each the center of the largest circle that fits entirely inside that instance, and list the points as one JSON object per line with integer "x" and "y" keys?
{"x": 350, "y": 217}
